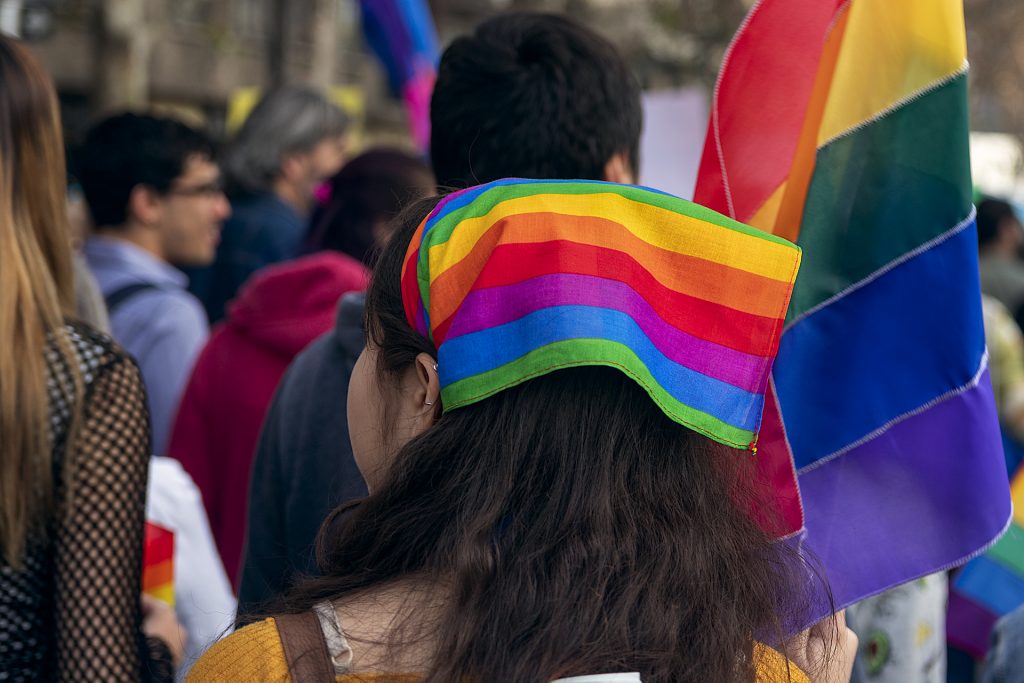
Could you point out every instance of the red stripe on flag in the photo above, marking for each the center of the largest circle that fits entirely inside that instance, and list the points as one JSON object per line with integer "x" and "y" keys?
{"x": 756, "y": 120}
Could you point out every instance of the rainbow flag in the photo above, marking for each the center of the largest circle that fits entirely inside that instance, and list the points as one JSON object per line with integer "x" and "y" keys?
{"x": 990, "y": 586}
{"x": 842, "y": 125}
{"x": 517, "y": 278}
{"x": 402, "y": 35}
{"x": 158, "y": 563}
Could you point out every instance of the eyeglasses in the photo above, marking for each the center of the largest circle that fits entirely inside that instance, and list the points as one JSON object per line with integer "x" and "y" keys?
{"x": 212, "y": 189}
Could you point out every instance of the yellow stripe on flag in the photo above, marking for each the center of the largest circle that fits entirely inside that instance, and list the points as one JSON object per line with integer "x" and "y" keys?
{"x": 1017, "y": 495}
{"x": 891, "y": 50}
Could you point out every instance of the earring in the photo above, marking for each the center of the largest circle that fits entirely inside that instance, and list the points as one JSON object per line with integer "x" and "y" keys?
{"x": 431, "y": 403}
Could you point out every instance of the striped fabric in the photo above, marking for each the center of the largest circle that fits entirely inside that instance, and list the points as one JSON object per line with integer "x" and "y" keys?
{"x": 158, "y": 563}
{"x": 402, "y": 35}
{"x": 517, "y": 278}
{"x": 990, "y": 586}
{"x": 842, "y": 125}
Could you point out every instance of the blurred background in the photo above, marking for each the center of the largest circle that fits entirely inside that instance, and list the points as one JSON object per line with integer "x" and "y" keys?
{"x": 207, "y": 61}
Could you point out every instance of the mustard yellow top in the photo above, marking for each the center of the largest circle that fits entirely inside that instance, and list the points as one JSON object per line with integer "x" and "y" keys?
{"x": 255, "y": 653}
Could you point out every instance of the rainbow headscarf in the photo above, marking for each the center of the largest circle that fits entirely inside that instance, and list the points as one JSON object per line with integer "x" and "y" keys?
{"x": 517, "y": 278}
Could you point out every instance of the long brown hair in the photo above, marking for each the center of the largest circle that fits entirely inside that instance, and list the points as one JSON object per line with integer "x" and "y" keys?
{"x": 579, "y": 529}
{"x": 36, "y": 288}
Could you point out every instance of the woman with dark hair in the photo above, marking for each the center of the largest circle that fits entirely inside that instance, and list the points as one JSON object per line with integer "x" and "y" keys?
{"x": 365, "y": 195}
{"x": 74, "y": 432}
{"x": 554, "y": 414}
{"x": 277, "y": 313}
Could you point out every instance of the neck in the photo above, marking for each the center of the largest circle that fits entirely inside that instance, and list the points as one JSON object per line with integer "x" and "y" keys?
{"x": 145, "y": 238}
{"x": 293, "y": 196}
{"x": 403, "y": 612}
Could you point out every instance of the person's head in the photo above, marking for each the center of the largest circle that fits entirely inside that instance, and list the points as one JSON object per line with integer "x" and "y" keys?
{"x": 154, "y": 181}
{"x": 534, "y": 96}
{"x": 36, "y": 287}
{"x": 576, "y": 526}
{"x": 293, "y": 140}
{"x": 365, "y": 196}
{"x": 999, "y": 229}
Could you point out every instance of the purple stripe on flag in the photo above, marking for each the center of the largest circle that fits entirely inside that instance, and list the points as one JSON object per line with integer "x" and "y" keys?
{"x": 494, "y": 306}
{"x": 968, "y": 625}
{"x": 931, "y": 478}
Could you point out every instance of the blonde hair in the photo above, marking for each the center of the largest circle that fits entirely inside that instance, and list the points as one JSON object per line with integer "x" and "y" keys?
{"x": 36, "y": 291}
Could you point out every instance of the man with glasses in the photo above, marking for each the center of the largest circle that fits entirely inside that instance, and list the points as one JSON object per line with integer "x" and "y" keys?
{"x": 153, "y": 189}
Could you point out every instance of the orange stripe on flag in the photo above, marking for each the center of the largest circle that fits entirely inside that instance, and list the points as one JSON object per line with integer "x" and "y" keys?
{"x": 787, "y": 223}
{"x": 155, "y": 575}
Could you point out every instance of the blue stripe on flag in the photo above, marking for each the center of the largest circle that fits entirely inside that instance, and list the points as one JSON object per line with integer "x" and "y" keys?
{"x": 910, "y": 336}
{"x": 992, "y": 585}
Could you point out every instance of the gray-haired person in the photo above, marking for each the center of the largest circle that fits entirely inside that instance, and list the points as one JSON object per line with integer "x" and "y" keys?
{"x": 293, "y": 140}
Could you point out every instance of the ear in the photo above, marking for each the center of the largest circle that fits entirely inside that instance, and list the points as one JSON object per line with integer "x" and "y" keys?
{"x": 145, "y": 205}
{"x": 618, "y": 169}
{"x": 427, "y": 391}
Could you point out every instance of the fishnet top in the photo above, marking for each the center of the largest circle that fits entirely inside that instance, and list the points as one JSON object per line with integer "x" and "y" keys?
{"x": 72, "y": 612}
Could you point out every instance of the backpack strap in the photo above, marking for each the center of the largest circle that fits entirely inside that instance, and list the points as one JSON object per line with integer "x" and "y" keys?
{"x": 305, "y": 649}
{"x": 119, "y": 296}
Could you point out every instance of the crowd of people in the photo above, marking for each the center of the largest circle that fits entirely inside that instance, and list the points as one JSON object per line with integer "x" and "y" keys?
{"x": 286, "y": 355}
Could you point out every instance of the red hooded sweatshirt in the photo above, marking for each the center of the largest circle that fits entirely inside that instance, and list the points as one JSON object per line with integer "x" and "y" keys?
{"x": 279, "y": 311}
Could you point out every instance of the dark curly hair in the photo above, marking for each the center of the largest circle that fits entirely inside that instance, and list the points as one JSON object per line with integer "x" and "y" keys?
{"x": 532, "y": 95}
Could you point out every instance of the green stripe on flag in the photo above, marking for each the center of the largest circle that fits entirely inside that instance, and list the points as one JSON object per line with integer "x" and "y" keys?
{"x": 883, "y": 191}
{"x": 1009, "y": 551}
